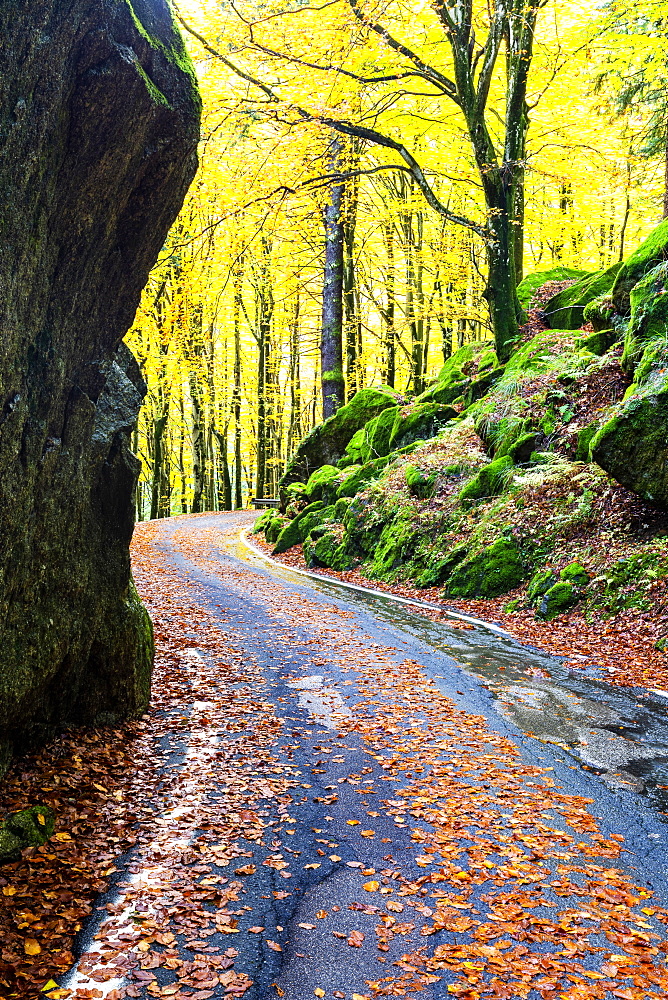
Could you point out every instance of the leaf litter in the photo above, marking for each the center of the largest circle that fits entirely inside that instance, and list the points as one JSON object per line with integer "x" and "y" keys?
{"x": 513, "y": 891}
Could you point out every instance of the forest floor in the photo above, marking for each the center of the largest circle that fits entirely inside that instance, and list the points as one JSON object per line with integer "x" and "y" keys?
{"x": 321, "y": 803}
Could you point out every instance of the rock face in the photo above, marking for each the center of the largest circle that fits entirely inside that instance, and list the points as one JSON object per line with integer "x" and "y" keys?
{"x": 99, "y": 121}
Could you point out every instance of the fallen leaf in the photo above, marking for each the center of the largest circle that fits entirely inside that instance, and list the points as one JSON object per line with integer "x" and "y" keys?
{"x": 355, "y": 939}
{"x": 31, "y": 946}
{"x": 274, "y": 945}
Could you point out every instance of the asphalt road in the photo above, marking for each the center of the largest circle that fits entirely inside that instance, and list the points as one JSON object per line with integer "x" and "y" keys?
{"x": 389, "y": 790}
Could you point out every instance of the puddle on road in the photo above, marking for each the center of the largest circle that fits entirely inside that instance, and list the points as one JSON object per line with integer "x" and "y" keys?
{"x": 621, "y": 733}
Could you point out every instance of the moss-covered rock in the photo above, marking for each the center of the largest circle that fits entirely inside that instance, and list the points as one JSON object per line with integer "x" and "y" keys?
{"x": 489, "y": 482}
{"x": 274, "y": 526}
{"x": 326, "y": 443}
{"x": 360, "y": 476}
{"x": 557, "y": 599}
{"x": 488, "y": 572}
{"x": 649, "y": 315}
{"x": 521, "y": 450}
{"x": 576, "y": 574}
{"x": 529, "y": 285}
{"x": 296, "y": 493}
{"x": 419, "y": 423}
{"x": 650, "y": 253}
{"x": 540, "y": 583}
{"x": 324, "y": 483}
{"x": 262, "y": 521}
{"x": 598, "y": 342}
{"x": 296, "y": 530}
{"x": 565, "y": 311}
{"x": 395, "y": 546}
{"x": 600, "y": 312}
{"x": 376, "y": 435}
{"x": 30, "y": 827}
{"x": 633, "y": 444}
{"x": 438, "y": 570}
{"x": 420, "y": 485}
{"x": 585, "y": 438}
{"x": 327, "y": 550}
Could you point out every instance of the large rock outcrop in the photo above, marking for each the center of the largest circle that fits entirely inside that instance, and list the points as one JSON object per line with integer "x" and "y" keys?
{"x": 99, "y": 121}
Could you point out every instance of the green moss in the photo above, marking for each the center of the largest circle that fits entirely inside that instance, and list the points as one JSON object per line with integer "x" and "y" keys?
{"x": 419, "y": 484}
{"x": 326, "y": 444}
{"x": 585, "y": 438}
{"x": 565, "y": 311}
{"x": 599, "y": 342}
{"x": 262, "y": 521}
{"x": 521, "y": 450}
{"x": 419, "y": 424}
{"x": 600, "y": 312}
{"x": 652, "y": 251}
{"x": 174, "y": 48}
{"x": 296, "y": 531}
{"x": 559, "y": 598}
{"x": 489, "y": 482}
{"x": 576, "y": 574}
{"x": 540, "y": 583}
{"x": 30, "y": 827}
{"x": 274, "y": 527}
{"x": 528, "y": 287}
{"x": 324, "y": 483}
{"x": 360, "y": 476}
{"x": 633, "y": 444}
{"x": 376, "y": 435}
{"x": 489, "y": 572}
{"x": 395, "y": 547}
{"x": 649, "y": 315}
{"x": 327, "y": 550}
{"x": 438, "y": 570}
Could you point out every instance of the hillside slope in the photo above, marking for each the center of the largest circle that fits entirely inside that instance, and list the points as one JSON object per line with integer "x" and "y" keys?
{"x": 540, "y": 486}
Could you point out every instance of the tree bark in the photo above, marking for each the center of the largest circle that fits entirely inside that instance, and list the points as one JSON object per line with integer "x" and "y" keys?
{"x": 331, "y": 342}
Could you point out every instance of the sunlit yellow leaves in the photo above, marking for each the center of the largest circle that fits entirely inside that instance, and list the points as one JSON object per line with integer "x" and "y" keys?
{"x": 31, "y": 946}
{"x": 371, "y": 886}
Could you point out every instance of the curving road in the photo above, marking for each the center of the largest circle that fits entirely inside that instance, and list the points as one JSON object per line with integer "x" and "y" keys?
{"x": 345, "y": 810}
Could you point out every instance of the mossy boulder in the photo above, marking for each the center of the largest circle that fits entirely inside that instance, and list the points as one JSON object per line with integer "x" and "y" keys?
{"x": 274, "y": 526}
{"x": 324, "y": 483}
{"x": 296, "y": 530}
{"x": 650, "y": 253}
{"x": 585, "y": 438}
{"x": 488, "y": 572}
{"x": 327, "y": 549}
{"x": 438, "y": 570}
{"x": 419, "y": 423}
{"x": 576, "y": 574}
{"x": 296, "y": 493}
{"x": 420, "y": 484}
{"x": 599, "y": 342}
{"x": 30, "y": 827}
{"x": 557, "y": 599}
{"x": 489, "y": 482}
{"x": 358, "y": 477}
{"x": 262, "y": 521}
{"x": 529, "y": 285}
{"x": 633, "y": 444}
{"x": 521, "y": 450}
{"x": 649, "y": 315}
{"x": 376, "y": 435}
{"x": 326, "y": 444}
{"x": 600, "y": 312}
{"x": 395, "y": 547}
{"x": 565, "y": 311}
{"x": 540, "y": 583}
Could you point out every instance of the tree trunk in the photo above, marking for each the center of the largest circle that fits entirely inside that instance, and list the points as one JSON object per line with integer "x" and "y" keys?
{"x": 238, "y": 302}
{"x": 390, "y": 307}
{"x": 331, "y": 344}
{"x": 158, "y": 461}
{"x": 198, "y": 449}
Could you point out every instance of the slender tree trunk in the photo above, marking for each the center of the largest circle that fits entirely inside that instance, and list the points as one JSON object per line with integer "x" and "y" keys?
{"x": 294, "y": 425}
{"x": 665, "y": 178}
{"x": 198, "y": 447}
{"x": 238, "y": 302}
{"x": 158, "y": 462}
{"x": 331, "y": 343}
{"x": 390, "y": 308}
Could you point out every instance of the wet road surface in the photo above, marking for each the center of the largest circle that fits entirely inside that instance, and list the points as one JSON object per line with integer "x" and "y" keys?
{"x": 353, "y": 806}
